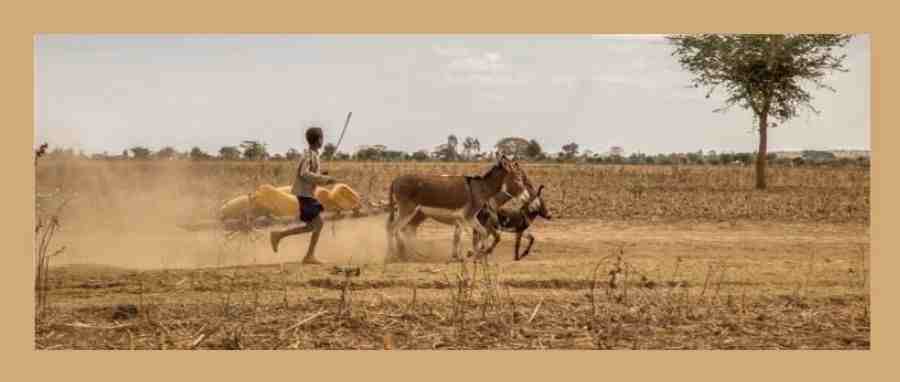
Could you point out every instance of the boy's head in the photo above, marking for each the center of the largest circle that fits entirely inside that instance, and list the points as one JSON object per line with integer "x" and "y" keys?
{"x": 314, "y": 137}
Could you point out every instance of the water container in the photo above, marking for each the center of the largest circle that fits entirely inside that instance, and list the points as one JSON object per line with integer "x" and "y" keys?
{"x": 344, "y": 197}
{"x": 277, "y": 202}
{"x": 341, "y": 197}
{"x": 235, "y": 207}
{"x": 324, "y": 197}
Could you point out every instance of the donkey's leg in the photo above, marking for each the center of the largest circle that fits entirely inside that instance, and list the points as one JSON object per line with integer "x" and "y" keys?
{"x": 457, "y": 242}
{"x": 394, "y": 218}
{"x": 492, "y": 228}
{"x": 388, "y": 231}
{"x": 496, "y": 234}
{"x": 475, "y": 240}
{"x": 477, "y": 237}
{"x": 528, "y": 248}
{"x": 408, "y": 232}
{"x": 479, "y": 230}
{"x": 412, "y": 228}
{"x": 406, "y": 213}
{"x": 518, "y": 242}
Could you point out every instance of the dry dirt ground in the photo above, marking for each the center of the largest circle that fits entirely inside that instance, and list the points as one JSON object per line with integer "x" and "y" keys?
{"x": 587, "y": 284}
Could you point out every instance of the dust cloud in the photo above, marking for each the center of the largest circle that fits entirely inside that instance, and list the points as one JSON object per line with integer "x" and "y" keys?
{"x": 128, "y": 214}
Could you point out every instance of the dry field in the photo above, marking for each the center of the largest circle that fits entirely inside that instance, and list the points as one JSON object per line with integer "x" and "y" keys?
{"x": 638, "y": 257}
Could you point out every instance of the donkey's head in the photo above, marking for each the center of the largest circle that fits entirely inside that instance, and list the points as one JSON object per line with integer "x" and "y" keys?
{"x": 521, "y": 186}
{"x": 501, "y": 173}
{"x": 536, "y": 204}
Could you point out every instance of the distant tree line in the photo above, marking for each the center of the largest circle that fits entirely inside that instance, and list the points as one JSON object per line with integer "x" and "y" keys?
{"x": 470, "y": 149}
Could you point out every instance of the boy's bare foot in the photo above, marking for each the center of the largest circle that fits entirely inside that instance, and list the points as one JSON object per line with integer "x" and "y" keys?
{"x": 274, "y": 238}
{"x": 312, "y": 261}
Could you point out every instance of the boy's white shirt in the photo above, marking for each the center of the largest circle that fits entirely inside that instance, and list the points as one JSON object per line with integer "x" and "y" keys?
{"x": 308, "y": 176}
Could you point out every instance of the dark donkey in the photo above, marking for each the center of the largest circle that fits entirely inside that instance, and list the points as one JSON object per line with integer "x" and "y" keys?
{"x": 516, "y": 221}
{"x": 453, "y": 200}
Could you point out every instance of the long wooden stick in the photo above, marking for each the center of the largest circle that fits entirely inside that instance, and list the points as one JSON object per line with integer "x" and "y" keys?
{"x": 341, "y": 139}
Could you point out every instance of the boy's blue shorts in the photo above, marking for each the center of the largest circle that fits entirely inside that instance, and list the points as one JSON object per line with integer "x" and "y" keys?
{"x": 310, "y": 208}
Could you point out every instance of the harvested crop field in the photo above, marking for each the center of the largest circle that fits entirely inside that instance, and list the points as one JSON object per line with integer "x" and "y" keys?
{"x": 636, "y": 257}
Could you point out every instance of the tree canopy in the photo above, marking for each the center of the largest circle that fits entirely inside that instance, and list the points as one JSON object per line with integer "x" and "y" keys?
{"x": 765, "y": 74}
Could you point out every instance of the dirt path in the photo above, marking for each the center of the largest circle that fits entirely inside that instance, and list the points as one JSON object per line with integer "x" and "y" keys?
{"x": 363, "y": 241}
{"x": 690, "y": 285}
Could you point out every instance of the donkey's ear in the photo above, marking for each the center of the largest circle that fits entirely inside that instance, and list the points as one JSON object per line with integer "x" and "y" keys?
{"x": 540, "y": 188}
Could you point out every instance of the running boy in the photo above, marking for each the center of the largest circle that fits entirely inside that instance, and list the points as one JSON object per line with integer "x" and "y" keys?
{"x": 308, "y": 177}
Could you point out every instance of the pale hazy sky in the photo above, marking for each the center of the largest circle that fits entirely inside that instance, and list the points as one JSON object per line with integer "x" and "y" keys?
{"x": 409, "y": 92}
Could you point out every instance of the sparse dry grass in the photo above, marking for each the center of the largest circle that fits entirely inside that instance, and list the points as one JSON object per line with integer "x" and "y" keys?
{"x": 678, "y": 304}
{"x": 680, "y": 258}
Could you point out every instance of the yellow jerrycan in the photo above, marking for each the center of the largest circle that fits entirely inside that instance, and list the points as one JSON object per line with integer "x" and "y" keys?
{"x": 277, "y": 202}
{"x": 321, "y": 194}
{"x": 280, "y": 202}
{"x": 234, "y": 208}
{"x": 340, "y": 197}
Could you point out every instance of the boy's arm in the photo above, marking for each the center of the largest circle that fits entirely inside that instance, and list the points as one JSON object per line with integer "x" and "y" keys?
{"x": 312, "y": 177}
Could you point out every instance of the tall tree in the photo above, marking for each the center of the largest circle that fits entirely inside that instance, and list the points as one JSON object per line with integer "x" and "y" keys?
{"x": 229, "y": 153}
{"x": 292, "y": 154}
{"x": 140, "y": 152}
{"x": 420, "y": 155}
{"x": 198, "y": 154}
{"x": 468, "y": 147}
{"x": 617, "y": 151}
{"x": 587, "y": 155}
{"x": 534, "y": 150}
{"x": 570, "y": 150}
{"x": 762, "y": 73}
{"x": 167, "y": 152}
{"x": 452, "y": 143}
{"x": 328, "y": 150}
{"x": 254, "y": 150}
{"x": 515, "y": 146}
{"x": 374, "y": 152}
{"x": 444, "y": 152}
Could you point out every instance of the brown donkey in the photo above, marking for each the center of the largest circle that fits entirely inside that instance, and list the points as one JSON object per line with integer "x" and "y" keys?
{"x": 453, "y": 200}
{"x": 509, "y": 191}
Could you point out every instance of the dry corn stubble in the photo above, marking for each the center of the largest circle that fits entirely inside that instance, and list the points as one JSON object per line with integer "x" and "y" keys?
{"x": 126, "y": 214}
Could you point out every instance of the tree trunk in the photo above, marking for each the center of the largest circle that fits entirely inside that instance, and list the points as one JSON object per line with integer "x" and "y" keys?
{"x": 761, "y": 155}
{"x": 775, "y": 44}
